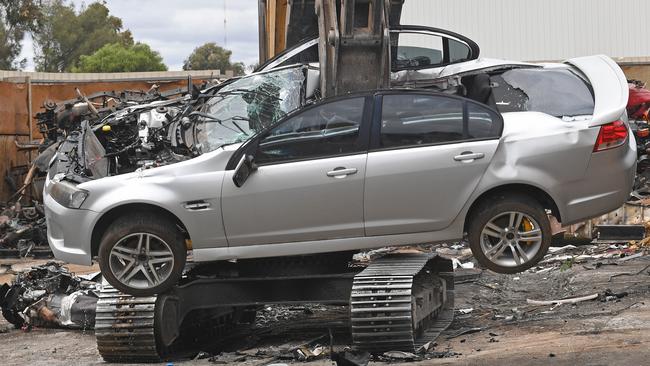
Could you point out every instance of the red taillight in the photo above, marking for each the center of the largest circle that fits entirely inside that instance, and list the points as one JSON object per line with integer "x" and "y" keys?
{"x": 643, "y": 132}
{"x": 611, "y": 135}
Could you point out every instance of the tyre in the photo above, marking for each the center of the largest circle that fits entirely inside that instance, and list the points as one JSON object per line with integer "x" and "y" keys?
{"x": 142, "y": 254}
{"x": 509, "y": 234}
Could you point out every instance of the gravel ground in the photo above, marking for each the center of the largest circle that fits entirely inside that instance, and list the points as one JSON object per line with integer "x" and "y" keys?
{"x": 506, "y": 330}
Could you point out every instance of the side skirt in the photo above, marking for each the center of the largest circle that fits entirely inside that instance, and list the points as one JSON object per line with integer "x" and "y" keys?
{"x": 320, "y": 246}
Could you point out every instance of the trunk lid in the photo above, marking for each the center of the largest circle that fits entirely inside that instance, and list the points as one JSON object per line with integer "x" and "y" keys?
{"x": 609, "y": 85}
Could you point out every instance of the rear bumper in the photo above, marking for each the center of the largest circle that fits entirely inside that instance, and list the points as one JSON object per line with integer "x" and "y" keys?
{"x": 69, "y": 232}
{"x": 607, "y": 185}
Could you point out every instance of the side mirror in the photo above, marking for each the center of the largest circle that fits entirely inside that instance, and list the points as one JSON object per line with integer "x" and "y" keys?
{"x": 243, "y": 170}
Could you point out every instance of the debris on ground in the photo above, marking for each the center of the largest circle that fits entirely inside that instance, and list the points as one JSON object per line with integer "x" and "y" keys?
{"x": 23, "y": 231}
{"x": 563, "y": 301}
{"x": 351, "y": 358}
{"x": 49, "y": 296}
{"x": 312, "y": 350}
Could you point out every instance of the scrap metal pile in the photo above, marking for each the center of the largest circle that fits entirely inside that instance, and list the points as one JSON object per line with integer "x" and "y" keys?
{"x": 122, "y": 117}
{"x": 23, "y": 231}
{"x": 638, "y": 110}
{"x": 49, "y": 296}
{"x": 161, "y": 129}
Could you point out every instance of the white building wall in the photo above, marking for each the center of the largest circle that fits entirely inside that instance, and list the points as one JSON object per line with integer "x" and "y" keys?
{"x": 537, "y": 30}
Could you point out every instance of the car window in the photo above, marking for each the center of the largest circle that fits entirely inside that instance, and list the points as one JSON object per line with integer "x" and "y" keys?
{"x": 458, "y": 51}
{"x": 415, "y": 120}
{"x": 558, "y": 92}
{"x": 329, "y": 129}
{"x": 421, "y": 50}
{"x": 482, "y": 123}
{"x": 411, "y": 120}
{"x": 305, "y": 56}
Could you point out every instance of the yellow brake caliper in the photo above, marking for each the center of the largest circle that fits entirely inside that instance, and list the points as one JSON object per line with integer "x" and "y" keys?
{"x": 528, "y": 226}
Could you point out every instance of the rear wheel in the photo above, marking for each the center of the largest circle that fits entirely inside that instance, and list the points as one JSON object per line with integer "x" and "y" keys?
{"x": 509, "y": 234}
{"x": 142, "y": 254}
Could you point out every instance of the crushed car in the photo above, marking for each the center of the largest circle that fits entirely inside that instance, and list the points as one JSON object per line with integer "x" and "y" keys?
{"x": 478, "y": 147}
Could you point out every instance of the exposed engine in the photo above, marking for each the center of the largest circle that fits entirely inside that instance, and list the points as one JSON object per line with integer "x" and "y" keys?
{"x": 157, "y": 130}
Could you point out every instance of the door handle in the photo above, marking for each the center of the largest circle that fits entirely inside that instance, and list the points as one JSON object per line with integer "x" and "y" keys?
{"x": 341, "y": 172}
{"x": 468, "y": 155}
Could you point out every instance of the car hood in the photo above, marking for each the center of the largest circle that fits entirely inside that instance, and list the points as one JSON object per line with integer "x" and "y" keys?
{"x": 209, "y": 162}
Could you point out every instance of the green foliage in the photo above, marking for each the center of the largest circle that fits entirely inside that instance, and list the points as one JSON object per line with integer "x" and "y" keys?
{"x": 16, "y": 18}
{"x": 64, "y": 36}
{"x": 210, "y": 56}
{"x": 116, "y": 57}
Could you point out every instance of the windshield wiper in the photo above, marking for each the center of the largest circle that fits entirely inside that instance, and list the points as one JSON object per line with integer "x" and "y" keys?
{"x": 220, "y": 121}
{"x": 243, "y": 91}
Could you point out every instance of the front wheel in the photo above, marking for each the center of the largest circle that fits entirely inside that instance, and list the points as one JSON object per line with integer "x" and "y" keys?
{"x": 142, "y": 254}
{"x": 509, "y": 234}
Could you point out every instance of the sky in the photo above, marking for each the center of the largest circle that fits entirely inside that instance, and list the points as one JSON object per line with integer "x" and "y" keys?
{"x": 175, "y": 27}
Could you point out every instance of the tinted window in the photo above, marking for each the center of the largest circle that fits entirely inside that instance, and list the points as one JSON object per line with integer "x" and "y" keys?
{"x": 558, "y": 92}
{"x": 409, "y": 120}
{"x": 327, "y": 130}
{"x": 416, "y": 50}
{"x": 481, "y": 122}
{"x": 458, "y": 51}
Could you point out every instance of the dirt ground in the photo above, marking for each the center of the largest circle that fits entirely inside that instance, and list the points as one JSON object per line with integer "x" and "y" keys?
{"x": 501, "y": 328}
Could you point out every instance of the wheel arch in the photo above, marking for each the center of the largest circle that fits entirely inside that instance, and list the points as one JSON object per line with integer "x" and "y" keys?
{"x": 528, "y": 190}
{"x": 111, "y": 215}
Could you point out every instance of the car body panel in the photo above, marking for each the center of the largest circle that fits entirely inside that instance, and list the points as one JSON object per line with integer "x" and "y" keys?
{"x": 611, "y": 90}
{"x": 67, "y": 241}
{"x": 295, "y": 201}
{"x": 407, "y": 189}
{"x": 169, "y": 188}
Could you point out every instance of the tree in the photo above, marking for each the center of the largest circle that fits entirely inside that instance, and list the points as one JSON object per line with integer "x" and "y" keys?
{"x": 64, "y": 36}
{"x": 210, "y": 56}
{"x": 116, "y": 57}
{"x": 16, "y": 18}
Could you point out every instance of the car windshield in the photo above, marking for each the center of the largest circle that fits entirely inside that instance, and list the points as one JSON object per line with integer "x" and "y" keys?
{"x": 241, "y": 109}
{"x": 558, "y": 92}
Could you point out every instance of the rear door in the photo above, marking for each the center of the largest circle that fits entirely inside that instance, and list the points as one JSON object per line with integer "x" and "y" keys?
{"x": 421, "y": 53}
{"x": 309, "y": 181}
{"x": 427, "y": 155}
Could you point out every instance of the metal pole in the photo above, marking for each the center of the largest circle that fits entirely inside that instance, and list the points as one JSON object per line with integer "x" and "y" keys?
{"x": 28, "y": 80}
{"x": 261, "y": 10}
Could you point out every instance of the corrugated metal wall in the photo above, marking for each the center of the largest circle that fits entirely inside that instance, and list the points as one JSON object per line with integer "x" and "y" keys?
{"x": 536, "y": 30}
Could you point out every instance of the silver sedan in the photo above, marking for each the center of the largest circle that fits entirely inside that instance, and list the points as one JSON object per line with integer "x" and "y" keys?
{"x": 393, "y": 167}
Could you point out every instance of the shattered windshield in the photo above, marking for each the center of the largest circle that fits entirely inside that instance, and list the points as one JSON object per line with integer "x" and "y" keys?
{"x": 248, "y": 105}
{"x": 557, "y": 92}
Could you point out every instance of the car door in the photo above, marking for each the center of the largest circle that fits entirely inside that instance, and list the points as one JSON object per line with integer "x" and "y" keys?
{"x": 427, "y": 155}
{"x": 309, "y": 179}
{"x": 421, "y": 53}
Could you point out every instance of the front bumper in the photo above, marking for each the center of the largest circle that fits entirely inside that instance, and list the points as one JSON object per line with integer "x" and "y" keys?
{"x": 69, "y": 231}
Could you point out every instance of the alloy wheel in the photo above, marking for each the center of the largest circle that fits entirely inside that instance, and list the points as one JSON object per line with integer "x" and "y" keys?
{"x": 141, "y": 260}
{"x": 511, "y": 239}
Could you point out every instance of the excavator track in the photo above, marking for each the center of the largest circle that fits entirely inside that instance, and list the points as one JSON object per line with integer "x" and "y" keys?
{"x": 128, "y": 328}
{"x": 399, "y": 302}
{"x": 125, "y": 329}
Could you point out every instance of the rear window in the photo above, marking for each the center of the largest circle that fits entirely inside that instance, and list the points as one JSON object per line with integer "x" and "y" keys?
{"x": 558, "y": 92}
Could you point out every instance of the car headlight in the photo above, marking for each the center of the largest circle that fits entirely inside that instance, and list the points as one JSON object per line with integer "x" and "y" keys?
{"x": 67, "y": 194}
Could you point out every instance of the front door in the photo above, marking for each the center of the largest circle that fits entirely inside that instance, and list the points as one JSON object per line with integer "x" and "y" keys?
{"x": 427, "y": 155}
{"x": 309, "y": 181}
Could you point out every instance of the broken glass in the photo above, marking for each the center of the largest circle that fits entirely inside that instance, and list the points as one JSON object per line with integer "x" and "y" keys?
{"x": 557, "y": 92}
{"x": 247, "y": 106}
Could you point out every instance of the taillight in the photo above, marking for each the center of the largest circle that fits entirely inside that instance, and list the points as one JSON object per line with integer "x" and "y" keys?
{"x": 643, "y": 132}
{"x": 611, "y": 135}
